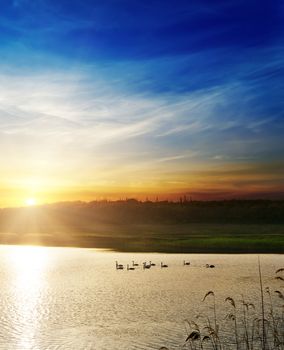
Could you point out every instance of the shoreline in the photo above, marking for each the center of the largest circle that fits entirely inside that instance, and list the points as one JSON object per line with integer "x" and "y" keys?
{"x": 162, "y": 238}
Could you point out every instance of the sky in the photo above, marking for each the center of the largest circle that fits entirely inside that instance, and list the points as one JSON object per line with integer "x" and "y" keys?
{"x": 129, "y": 98}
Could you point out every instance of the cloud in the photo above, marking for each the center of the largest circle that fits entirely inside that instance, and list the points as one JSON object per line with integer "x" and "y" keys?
{"x": 70, "y": 107}
{"x": 121, "y": 92}
{"x": 85, "y": 124}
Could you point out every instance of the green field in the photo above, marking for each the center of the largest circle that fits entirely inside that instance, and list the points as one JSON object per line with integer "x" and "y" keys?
{"x": 202, "y": 227}
{"x": 173, "y": 238}
{"x": 189, "y": 238}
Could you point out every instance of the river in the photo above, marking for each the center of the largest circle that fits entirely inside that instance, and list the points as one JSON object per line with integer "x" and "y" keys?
{"x": 75, "y": 299}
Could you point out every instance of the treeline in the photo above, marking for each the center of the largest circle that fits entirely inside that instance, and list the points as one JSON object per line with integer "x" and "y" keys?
{"x": 83, "y": 215}
{"x": 133, "y": 211}
{"x": 238, "y": 226}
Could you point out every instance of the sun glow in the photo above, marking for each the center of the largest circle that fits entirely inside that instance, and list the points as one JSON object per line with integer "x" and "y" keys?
{"x": 30, "y": 201}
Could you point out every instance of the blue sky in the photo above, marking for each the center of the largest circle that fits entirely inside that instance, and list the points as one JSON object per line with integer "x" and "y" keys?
{"x": 136, "y": 97}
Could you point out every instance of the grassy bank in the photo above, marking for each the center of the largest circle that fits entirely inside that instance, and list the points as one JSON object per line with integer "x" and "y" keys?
{"x": 172, "y": 238}
{"x": 194, "y": 238}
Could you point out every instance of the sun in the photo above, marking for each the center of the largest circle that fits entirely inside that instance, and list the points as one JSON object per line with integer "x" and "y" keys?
{"x": 30, "y": 201}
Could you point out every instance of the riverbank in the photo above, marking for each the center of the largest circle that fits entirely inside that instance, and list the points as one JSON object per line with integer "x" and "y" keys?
{"x": 170, "y": 238}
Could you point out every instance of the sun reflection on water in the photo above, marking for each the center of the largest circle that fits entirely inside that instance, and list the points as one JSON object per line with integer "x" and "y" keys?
{"x": 28, "y": 266}
{"x": 28, "y": 263}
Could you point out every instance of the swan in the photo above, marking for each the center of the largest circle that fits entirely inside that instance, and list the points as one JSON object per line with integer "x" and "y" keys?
{"x": 210, "y": 266}
{"x": 145, "y": 266}
{"x": 130, "y": 268}
{"x": 119, "y": 266}
{"x": 163, "y": 265}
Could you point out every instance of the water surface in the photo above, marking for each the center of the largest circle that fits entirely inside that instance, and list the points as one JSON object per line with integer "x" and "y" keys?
{"x": 68, "y": 298}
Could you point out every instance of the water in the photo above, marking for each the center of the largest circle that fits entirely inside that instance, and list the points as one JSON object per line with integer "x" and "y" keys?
{"x": 67, "y": 298}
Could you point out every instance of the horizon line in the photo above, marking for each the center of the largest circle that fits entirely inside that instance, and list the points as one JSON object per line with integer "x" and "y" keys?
{"x": 182, "y": 200}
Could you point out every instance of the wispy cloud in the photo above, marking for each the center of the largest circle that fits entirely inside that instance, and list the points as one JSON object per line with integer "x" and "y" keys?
{"x": 70, "y": 102}
{"x": 118, "y": 93}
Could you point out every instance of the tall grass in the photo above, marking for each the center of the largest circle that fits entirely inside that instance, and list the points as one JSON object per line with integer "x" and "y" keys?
{"x": 244, "y": 327}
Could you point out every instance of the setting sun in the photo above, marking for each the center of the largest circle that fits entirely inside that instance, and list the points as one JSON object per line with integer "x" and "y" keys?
{"x": 30, "y": 201}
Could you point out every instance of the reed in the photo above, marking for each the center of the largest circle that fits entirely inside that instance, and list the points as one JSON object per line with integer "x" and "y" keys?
{"x": 263, "y": 340}
{"x": 249, "y": 328}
